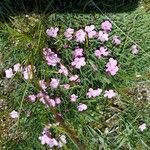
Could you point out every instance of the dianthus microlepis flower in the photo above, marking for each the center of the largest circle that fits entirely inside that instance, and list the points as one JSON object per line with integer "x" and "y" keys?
{"x": 42, "y": 85}
{"x": 102, "y": 36}
{"x": 93, "y": 93}
{"x": 40, "y": 97}
{"x": 101, "y": 52}
{"x": 28, "y": 72}
{"x": 80, "y": 36}
{"x": 57, "y": 100}
{"x": 14, "y": 114}
{"x": 51, "y": 102}
{"x": 90, "y": 31}
{"x": 32, "y": 98}
{"x": 134, "y": 49}
{"x": 74, "y": 78}
{"x": 109, "y": 94}
{"x": 51, "y": 58}
{"x": 45, "y": 139}
{"x": 73, "y": 98}
{"x": 52, "y": 32}
{"x": 69, "y": 33}
{"x": 63, "y": 70}
{"x": 106, "y": 25}
{"x": 111, "y": 67}
{"x": 54, "y": 83}
{"x": 62, "y": 141}
{"x": 9, "y": 73}
{"x": 65, "y": 86}
{"x": 17, "y": 67}
{"x": 82, "y": 107}
{"x": 142, "y": 127}
{"x": 116, "y": 40}
{"x": 78, "y": 52}
{"x": 78, "y": 62}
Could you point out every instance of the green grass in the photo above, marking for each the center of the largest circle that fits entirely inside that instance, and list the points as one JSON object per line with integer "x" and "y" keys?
{"x": 108, "y": 125}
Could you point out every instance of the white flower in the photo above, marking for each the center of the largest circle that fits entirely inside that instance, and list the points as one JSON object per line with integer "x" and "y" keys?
{"x": 14, "y": 114}
{"x": 9, "y": 73}
{"x": 143, "y": 127}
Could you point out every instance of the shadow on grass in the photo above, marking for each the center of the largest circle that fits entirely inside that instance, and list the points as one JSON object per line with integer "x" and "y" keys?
{"x": 16, "y": 7}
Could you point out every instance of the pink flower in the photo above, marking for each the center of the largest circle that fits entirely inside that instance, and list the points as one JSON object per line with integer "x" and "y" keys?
{"x": 73, "y": 98}
{"x": 32, "y": 98}
{"x": 17, "y": 67}
{"x": 52, "y": 32}
{"x": 90, "y": 31}
{"x": 14, "y": 114}
{"x": 74, "y": 78}
{"x": 116, "y": 40}
{"x": 42, "y": 85}
{"x": 80, "y": 36}
{"x": 44, "y": 139}
{"x": 28, "y": 72}
{"x": 53, "y": 143}
{"x": 51, "y": 58}
{"x": 57, "y": 100}
{"x": 93, "y": 93}
{"x": 65, "y": 86}
{"x": 109, "y": 94}
{"x": 102, "y": 36}
{"x": 65, "y": 46}
{"x": 106, "y": 25}
{"x": 82, "y": 107}
{"x": 78, "y": 52}
{"x": 112, "y": 67}
{"x": 101, "y": 52}
{"x": 134, "y": 49}
{"x": 54, "y": 83}
{"x": 40, "y": 96}
{"x": 9, "y": 73}
{"x": 78, "y": 62}
{"x": 63, "y": 70}
{"x": 69, "y": 33}
{"x": 51, "y": 102}
{"x": 143, "y": 127}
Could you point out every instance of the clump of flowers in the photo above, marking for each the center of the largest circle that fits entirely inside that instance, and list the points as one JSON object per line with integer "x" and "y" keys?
{"x": 50, "y": 89}
{"x": 27, "y": 71}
